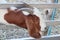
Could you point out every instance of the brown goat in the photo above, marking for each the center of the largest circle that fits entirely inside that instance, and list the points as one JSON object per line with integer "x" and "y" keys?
{"x": 29, "y": 22}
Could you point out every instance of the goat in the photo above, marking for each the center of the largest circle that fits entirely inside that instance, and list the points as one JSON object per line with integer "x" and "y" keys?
{"x": 34, "y": 23}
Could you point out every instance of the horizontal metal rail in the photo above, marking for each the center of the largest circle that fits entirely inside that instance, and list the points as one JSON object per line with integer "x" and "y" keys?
{"x": 51, "y": 37}
{"x": 52, "y": 22}
{"x": 33, "y": 5}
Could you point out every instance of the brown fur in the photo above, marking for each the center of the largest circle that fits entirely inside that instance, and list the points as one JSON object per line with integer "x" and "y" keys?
{"x": 29, "y": 22}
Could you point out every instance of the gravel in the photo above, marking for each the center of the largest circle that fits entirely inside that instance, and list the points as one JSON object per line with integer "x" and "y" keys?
{"x": 11, "y": 32}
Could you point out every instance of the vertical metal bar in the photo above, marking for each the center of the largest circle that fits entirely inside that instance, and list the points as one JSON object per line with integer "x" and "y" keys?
{"x": 52, "y": 18}
{"x": 53, "y": 13}
{"x": 55, "y": 1}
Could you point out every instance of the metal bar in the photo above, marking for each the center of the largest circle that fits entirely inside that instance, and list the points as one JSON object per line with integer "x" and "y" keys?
{"x": 52, "y": 18}
{"x": 52, "y": 22}
{"x": 44, "y": 6}
{"x": 51, "y": 37}
{"x": 33, "y": 5}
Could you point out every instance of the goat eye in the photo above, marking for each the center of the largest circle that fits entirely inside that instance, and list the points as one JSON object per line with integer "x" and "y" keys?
{"x": 47, "y": 12}
{"x": 45, "y": 28}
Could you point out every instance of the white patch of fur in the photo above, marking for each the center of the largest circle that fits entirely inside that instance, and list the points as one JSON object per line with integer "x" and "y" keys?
{"x": 47, "y": 17}
{"x": 13, "y": 8}
{"x": 26, "y": 13}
